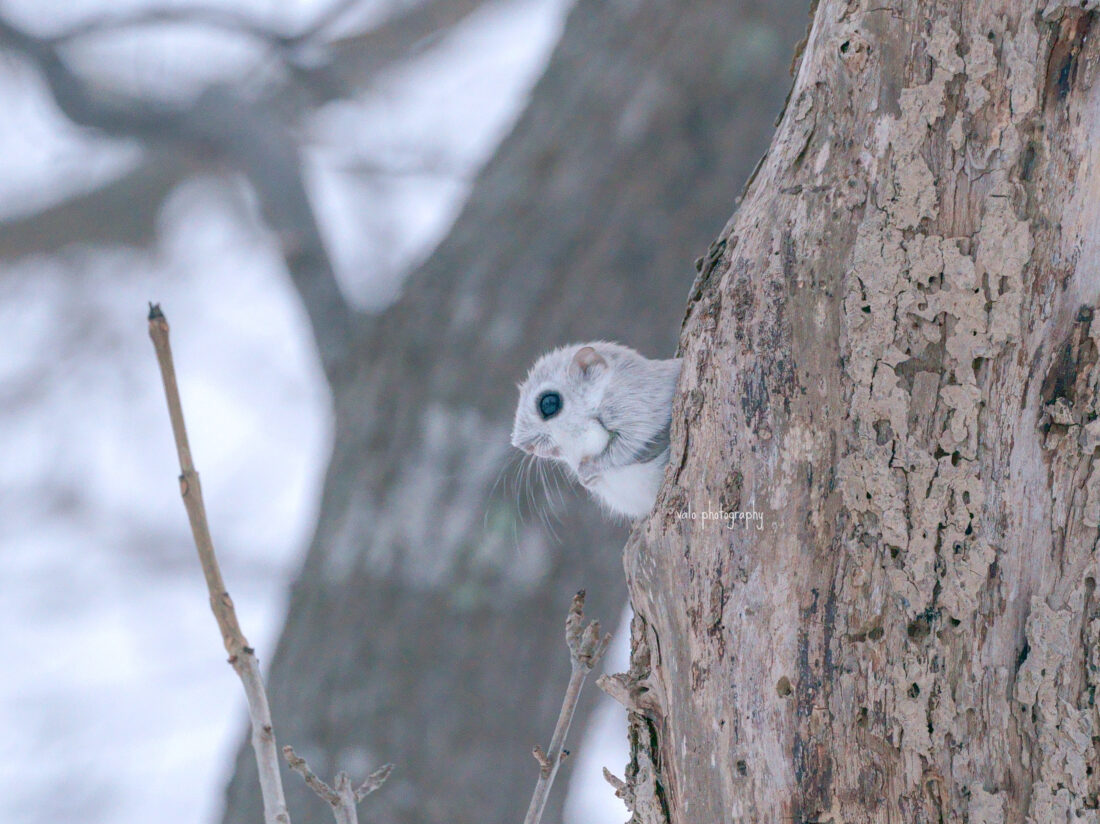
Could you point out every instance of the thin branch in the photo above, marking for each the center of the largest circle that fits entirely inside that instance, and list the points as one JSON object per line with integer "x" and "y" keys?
{"x": 623, "y": 790}
{"x": 241, "y": 655}
{"x": 375, "y": 780}
{"x": 299, "y": 765}
{"x": 618, "y": 686}
{"x": 586, "y": 647}
{"x": 344, "y": 811}
{"x": 341, "y": 797}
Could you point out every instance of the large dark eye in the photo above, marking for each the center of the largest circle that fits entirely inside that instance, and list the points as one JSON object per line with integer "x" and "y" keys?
{"x": 549, "y": 405}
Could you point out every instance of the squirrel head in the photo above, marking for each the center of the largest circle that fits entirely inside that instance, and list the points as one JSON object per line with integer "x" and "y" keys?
{"x": 559, "y": 402}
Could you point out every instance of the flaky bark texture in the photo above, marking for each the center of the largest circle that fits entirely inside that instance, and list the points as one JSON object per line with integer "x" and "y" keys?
{"x": 891, "y": 354}
{"x": 425, "y": 627}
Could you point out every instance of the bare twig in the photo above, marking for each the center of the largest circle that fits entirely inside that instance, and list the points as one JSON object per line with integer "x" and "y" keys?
{"x": 299, "y": 765}
{"x": 375, "y": 780}
{"x": 540, "y": 756}
{"x": 341, "y": 797}
{"x": 241, "y": 655}
{"x": 618, "y": 686}
{"x": 586, "y": 647}
{"x": 345, "y": 810}
{"x": 623, "y": 790}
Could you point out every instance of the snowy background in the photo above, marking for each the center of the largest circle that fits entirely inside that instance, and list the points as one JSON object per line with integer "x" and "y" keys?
{"x": 115, "y": 699}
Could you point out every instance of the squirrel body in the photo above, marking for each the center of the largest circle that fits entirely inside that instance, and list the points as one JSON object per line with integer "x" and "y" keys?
{"x": 604, "y": 411}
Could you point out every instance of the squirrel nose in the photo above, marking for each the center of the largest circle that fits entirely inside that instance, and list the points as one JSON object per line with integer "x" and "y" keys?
{"x": 529, "y": 448}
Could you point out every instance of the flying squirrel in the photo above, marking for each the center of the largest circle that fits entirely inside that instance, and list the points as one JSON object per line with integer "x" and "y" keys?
{"x": 604, "y": 411}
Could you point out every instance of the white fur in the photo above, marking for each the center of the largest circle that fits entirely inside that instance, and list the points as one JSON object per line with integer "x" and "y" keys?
{"x": 614, "y": 408}
{"x": 630, "y": 490}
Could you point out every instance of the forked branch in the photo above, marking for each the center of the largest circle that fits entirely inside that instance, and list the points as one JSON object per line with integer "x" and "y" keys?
{"x": 586, "y": 647}
{"x": 341, "y": 797}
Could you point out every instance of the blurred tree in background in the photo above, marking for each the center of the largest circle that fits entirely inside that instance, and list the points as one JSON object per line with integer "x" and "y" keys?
{"x": 425, "y": 627}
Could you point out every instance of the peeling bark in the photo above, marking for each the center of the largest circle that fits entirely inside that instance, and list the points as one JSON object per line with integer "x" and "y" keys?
{"x": 892, "y": 356}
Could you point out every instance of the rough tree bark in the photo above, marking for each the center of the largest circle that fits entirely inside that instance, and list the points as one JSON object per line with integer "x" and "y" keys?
{"x": 425, "y": 627}
{"x": 893, "y": 356}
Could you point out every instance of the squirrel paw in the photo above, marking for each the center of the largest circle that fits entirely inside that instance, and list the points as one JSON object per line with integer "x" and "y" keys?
{"x": 588, "y": 471}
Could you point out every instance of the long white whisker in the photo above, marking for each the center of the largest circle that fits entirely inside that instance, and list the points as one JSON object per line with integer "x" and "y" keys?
{"x": 508, "y": 462}
{"x": 559, "y": 497}
{"x": 517, "y": 480}
{"x": 543, "y": 511}
{"x": 529, "y": 492}
{"x": 542, "y": 500}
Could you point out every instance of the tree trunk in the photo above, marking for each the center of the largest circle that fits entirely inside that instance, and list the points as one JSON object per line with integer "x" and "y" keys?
{"x": 893, "y": 357}
{"x": 426, "y": 625}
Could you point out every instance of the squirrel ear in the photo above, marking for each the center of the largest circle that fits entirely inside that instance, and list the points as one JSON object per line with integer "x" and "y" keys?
{"x": 588, "y": 361}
